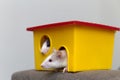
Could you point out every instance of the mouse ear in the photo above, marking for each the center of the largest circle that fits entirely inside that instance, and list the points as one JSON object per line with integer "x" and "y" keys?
{"x": 62, "y": 54}
{"x": 59, "y": 54}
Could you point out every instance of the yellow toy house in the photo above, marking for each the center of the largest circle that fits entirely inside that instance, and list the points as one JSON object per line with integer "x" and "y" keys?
{"x": 89, "y": 46}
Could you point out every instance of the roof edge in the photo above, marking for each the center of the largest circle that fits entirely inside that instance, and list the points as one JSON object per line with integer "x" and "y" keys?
{"x": 75, "y": 22}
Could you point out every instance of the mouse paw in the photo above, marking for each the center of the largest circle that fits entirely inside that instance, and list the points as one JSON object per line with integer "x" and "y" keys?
{"x": 64, "y": 70}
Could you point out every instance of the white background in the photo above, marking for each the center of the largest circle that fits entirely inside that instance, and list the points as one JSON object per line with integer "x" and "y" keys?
{"x": 16, "y": 44}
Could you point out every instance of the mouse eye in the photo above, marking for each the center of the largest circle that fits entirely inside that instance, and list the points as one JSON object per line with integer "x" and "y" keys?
{"x": 50, "y": 60}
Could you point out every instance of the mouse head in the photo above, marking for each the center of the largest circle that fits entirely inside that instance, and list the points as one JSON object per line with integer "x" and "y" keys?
{"x": 56, "y": 60}
{"x": 45, "y": 47}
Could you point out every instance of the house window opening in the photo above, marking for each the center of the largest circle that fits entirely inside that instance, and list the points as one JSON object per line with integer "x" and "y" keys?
{"x": 44, "y": 44}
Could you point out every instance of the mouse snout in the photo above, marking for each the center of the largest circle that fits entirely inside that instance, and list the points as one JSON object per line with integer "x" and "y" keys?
{"x": 42, "y": 65}
{"x": 43, "y": 51}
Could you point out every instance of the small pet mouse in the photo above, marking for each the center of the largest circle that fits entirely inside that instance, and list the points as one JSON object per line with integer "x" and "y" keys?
{"x": 56, "y": 60}
{"x": 45, "y": 46}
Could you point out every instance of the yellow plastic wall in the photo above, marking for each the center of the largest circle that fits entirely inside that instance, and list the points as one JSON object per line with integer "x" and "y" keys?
{"x": 93, "y": 48}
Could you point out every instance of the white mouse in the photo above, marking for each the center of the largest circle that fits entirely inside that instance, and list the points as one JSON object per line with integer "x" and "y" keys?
{"x": 45, "y": 47}
{"x": 56, "y": 60}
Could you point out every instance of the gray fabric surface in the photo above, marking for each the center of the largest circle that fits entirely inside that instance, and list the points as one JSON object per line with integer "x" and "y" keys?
{"x": 49, "y": 75}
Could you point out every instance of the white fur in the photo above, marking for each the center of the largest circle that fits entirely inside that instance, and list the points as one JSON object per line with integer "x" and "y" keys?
{"x": 44, "y": 48}
{"x": 56, "y": 61}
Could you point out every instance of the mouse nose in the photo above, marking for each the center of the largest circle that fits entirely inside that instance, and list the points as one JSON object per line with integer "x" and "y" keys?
{"x": 42, "y": 66}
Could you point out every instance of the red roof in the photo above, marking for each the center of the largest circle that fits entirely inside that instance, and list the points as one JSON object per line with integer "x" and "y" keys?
{"x": 81, "y": 23}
